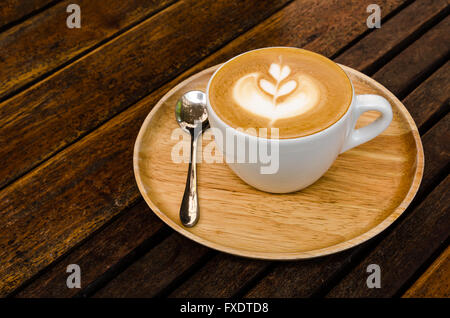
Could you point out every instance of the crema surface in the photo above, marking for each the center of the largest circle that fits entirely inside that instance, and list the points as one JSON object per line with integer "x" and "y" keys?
{"x": 297, "y": 91}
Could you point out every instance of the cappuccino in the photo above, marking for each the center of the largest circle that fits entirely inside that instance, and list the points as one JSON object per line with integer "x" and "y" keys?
{"x": 297, "y": 91}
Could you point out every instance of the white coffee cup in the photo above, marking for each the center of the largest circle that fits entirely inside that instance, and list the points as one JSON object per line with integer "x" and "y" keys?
{"x": 303, "y": 160}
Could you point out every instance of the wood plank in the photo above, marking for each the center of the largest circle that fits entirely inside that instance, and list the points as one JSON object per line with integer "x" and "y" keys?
{"x": 14, "y": 10}
{"x": 114, "y": 169}
{"x": 235, "y": 272}
{"x": 429, "y": 99}
{"x": 227, "y": 276}
{"x": 437, "y": 153}
{"x": 302, "y": 25}
{"x": 435, "y": 282}
{"x": 104, "y": 253}
{"x": 404, "y": 250}
{"x": 414, "y": 62}
{"x": 393, "y": 35}
{"x": 303, "y": 281}
{"x": 57, "y": 111}
{"x": 54, "y": 44}
{"x": 82, "y": 194}
{"x": 156, "y": 270}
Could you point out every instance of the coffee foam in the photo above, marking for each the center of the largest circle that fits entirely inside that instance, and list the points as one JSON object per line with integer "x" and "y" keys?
{"x": 297, "y": 91}
{"x": 277, "y": 93}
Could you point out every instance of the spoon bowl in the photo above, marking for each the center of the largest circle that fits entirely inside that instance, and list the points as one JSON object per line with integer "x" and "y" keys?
{"x": 190, "y": 110}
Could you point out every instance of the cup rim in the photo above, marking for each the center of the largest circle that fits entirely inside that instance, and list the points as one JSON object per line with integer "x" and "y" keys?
{"x": 310, "y": 136}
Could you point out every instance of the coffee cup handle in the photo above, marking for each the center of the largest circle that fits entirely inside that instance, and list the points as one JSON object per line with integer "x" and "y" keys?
{"x": 365, "y": 103}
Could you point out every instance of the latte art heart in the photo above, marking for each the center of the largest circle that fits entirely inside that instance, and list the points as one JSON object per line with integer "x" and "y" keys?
{"x": 277, "y": 98}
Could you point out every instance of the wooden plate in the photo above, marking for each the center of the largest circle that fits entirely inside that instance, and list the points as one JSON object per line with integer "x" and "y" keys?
{"x": 365, "y": 190}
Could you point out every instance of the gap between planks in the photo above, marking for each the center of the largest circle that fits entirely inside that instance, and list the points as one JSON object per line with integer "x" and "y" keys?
{"x": 28, "y": 15}
{"x": 402, "y": 292}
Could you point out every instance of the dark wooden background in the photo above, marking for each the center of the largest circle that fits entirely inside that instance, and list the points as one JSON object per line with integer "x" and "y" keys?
{"x": 72, "y": 102}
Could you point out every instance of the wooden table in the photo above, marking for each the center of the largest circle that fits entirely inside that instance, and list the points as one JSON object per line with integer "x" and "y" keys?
{"x": 72, "y": 102}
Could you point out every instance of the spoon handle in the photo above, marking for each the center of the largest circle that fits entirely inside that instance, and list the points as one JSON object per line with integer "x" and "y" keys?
{"x": 189, "y": 211}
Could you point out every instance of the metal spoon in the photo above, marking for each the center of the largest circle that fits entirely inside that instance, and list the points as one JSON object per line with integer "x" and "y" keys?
{"x": 191, "y": 115}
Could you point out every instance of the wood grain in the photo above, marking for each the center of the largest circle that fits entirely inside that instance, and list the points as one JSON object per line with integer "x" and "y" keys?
{"x": 219, "y": 283}
{"x": 301, "y": 279}
{"x": 83, "y": 187}
{"x": 103, "y": 253}
{"x": 416, "y": 60}
{"x": 14, "y": 10}
{"x": 156, "y": 270}
{"x": 430, "y": 99}
{"x": 393, "y": 36}
{"x": 424, "y": 230}
{"x": 302, "y": 24}
{"x": 262, "y": 225}
{"x": 59, "y": 110}
{"x": 437, "y": 149}
{"x": 288, "y": 280}
{"x": 293, "y": 15}
{"x": 435, "y": 282}
{"x": 87, "y": 184}
{"x": 44, "y": 42}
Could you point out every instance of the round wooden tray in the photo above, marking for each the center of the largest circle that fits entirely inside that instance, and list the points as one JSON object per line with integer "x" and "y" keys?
{"x": 365, "y": 190}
